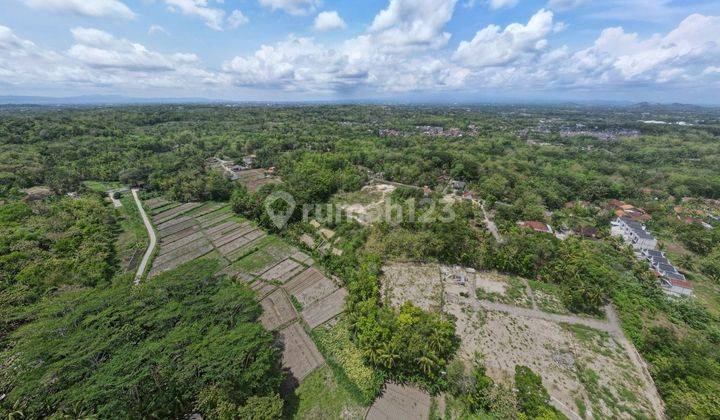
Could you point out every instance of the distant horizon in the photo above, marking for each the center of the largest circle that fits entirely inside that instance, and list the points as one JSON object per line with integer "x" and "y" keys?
{"x": 33, "y": 100}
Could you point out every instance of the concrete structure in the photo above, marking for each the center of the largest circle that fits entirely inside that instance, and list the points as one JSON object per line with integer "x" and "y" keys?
{"x": 672, "y": 281}
{"x": 635, "y": 234}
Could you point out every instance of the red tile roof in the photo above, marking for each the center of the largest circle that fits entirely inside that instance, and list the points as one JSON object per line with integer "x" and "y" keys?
{"x": 535, "y": 225}
{"x": 685, "y": 284}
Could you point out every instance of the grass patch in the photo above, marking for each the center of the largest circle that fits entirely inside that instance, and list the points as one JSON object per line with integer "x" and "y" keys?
{"x": 514, "y": 293}
{"x": 361, "y": 381}
{"x": 102, "y": 186}
{"x": 320, "y": 396}
{"x": 548, "y": 297}
{"x": 133, "y": 238}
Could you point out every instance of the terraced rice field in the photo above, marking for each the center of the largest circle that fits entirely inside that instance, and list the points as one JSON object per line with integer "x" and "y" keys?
{"x": 282, "y": 276}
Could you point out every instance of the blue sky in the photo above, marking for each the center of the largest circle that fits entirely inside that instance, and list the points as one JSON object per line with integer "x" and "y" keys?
{"x": 465, "y": 50}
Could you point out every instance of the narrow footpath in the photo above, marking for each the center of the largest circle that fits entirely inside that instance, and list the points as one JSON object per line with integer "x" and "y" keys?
{"x": 151, "y": 234}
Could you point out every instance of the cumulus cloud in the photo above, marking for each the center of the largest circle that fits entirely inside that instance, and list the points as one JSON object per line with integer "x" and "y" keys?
{"x": 99, "y": 60}
{"x": 499, "y": 4}
{"x": 212, "y": 16}
{"x": 620, "y": 55}
{"x": 412, "y": 24}
{"x": 404, "y": 49}
{"x": 493, "y": 46}
{"x": 327, "y": 21}
{"x": 237, "y": 18}
{"x": 296, "y": 64}
{"x": 90, "y": 8}
{"x": 294, "y": 7}
{"x": 100, "y": 49}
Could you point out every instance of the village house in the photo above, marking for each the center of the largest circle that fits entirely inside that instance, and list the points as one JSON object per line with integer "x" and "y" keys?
{"x": 623, "y": 209}
{"x": 536, "y": 226}
{"x": 458, "y": 187}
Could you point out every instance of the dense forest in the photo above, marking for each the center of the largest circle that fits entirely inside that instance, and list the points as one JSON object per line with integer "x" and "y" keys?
{"x": 172, "y": 339}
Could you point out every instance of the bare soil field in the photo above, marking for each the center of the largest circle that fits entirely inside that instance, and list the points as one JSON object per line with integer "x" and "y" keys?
{"x": 156, "y": 202}
{"x": 366, "y": 205}
{"x": 400, "y": 402}
{"x": 310, "y": 286}
{"x": 325, "y": 309}
{"x": 283, "y": 271}
{"x": 300, "y": 354}
{"x": 174, "y": 212}
{"x": 277, "y": 310}
{"x": 253, "y": 179}
{"x": 587, "y": 372}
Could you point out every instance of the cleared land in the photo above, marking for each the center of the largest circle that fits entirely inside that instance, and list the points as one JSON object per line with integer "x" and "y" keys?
{"x": 400, "y": 402}
{"x": 586, "y": 364}
{"x": 325, "y": 309}
{"x": 253, "y": 179}
{"x": 310, "y": 286}
{"x": 277, "y": 310}
{"x": 367, "y": 205}
{"x": 300, "y": 354}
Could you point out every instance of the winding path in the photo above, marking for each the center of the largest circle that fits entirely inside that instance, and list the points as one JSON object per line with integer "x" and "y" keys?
{"x": 151, "y": 234}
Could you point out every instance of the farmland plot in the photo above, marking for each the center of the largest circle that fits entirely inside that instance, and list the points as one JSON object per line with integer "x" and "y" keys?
{"x": 326, "y": 308}
{"x": 400, "y": 402}
{"x": 310, "y": 286}
{"x": 300, "y": 354}
{"x": 277, "y": 310}
{"x": 156, "y": 202}
{"x": 283, "y": 271}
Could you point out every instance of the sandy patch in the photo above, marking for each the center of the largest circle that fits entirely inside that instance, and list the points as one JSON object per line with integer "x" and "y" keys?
{"x": 585, "y": 371}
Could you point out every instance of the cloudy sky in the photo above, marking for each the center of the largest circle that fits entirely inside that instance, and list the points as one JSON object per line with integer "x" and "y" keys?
{"x": 445, "y": 50}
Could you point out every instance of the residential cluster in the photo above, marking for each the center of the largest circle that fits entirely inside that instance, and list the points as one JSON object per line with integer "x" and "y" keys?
{"x": 635, "y": 234}
{"x": 605, "y": 134}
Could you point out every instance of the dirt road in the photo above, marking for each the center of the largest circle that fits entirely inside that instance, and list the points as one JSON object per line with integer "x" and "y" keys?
{"x": 151, "y": 234}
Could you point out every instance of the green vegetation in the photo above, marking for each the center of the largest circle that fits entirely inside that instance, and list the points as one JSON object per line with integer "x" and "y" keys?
{"x": 407, "y": 344}
{"x": 532, "y": 397}
{"x": 346, "y": 360}
{"x": 49, "y": 245}
{"x": 320, "y": 396}
{"x": 185, "y": 342}
{"x": 515, "y": 159}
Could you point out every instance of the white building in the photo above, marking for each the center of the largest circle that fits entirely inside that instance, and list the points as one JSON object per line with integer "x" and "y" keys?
{"x": 635, "y": 234}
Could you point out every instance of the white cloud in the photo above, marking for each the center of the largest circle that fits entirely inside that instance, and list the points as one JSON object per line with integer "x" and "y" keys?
{"x": 156, "y": 29}
{"x": 625, "y": 56}
{"x": 91, "y": 8}
{"x": 296, "y": 64}
{"x": 493, "y": 46}
{"x": 562, "y": 5}
{"x": 294, "y": 7}
{"x": 237, "y": 18}
{"x": 100, "y": 49}
{"x": 409, "y": 24}
{"x": 327, "y": 21}
{"x": 213, "y": 17}
{"x": 499, "y": 4}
